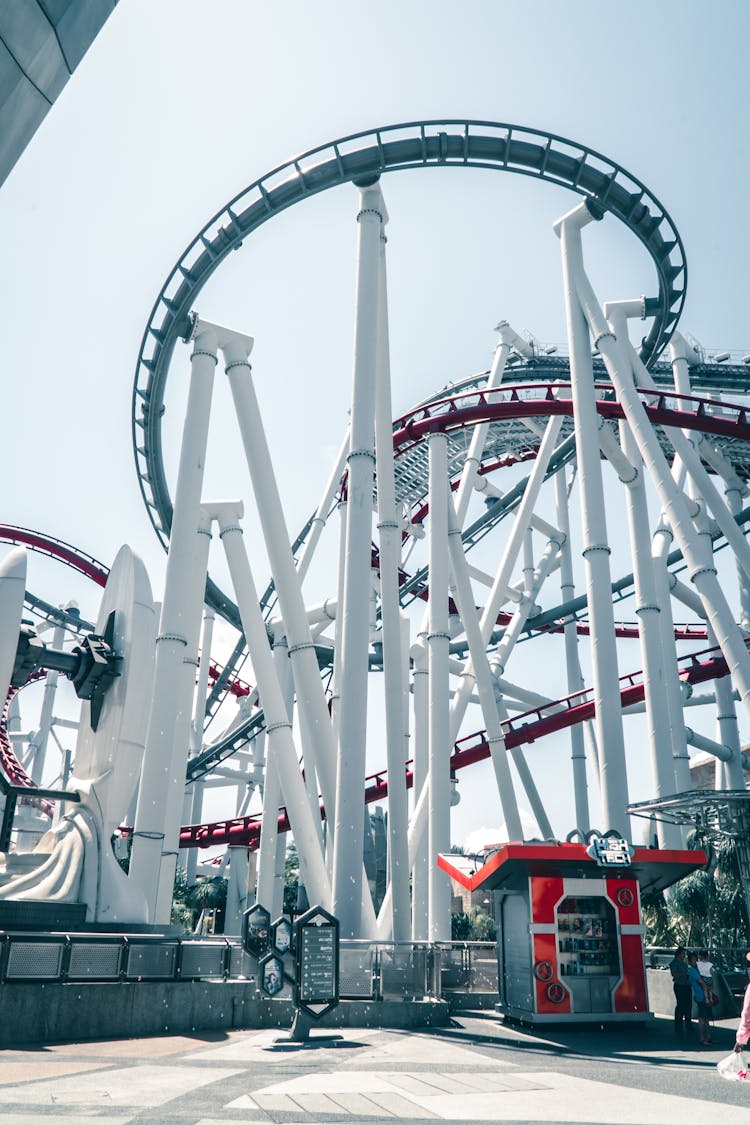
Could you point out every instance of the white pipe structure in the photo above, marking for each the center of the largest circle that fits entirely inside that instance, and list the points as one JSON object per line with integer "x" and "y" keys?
{"x": 648, "y": 612}
{"x": 278, "y": 725}
{"x": 439, "y": 741}
{"x": 612, "y": 770}
{"x": 660, "y": 545}
{"x": 348, "y": 847}
{"x": 38, "y": 741}
{"x": 420, "y": 766}
{"x": 323, "y": 510}
{"x": 508, "y": 341}
{"x": 574, "y": 674}
{"x": 508, "y": 560}
{"x": 319, "y": 752}
{"x": 155, "y": 835}
{"x": 194, "y": 794}
{"x": 479, "y": 670}
{"x": 394, "y": 672}
{"x": 702, "y": 570}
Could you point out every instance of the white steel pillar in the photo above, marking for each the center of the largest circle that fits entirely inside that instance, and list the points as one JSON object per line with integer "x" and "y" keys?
{"x": 314, "y": 717}
{"x": 420, "y": 766}
{"x": 193, "y": 800}
{"x": 350, "y": 776}
{"x": 596, "y": 551}
{"x": 38, "y": 742}
{"x": 278, "y": 726}
{"x": 237, "y": 887}
{"x": 498, "y": 593}
{"x": 394, "y": 672}
{"x": 648, "y": 612}
{"x": 156, "y": 829}
{"x": 508, "y": 339}
{"x": 661, "y": 542}
{"x": 703, "y": 573}
{"x": 438, "y": 644}
{"x": 480, "y": 668}
{"x": 572, "y": 661}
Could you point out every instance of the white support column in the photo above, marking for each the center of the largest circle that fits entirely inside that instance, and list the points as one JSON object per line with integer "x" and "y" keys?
{"x": 508, "y": 340}
{"x": 648, "y": 612}
{"x": 38, "y": 742}
{"x": 728, "y": 734}
{"x": 264, "y": 892}
{"x": 513, "y": 545}
{"x": 278, "y": 726}
{"x": 237, "y": 888}
{"x": 311, "y": 703}
{"x": 420, "y": 766}
{"x": 703, "y": 573}
{"x": 661, "y": 543}
{"x": 389, "y": 541}
{"x": 156, "y": 830}
{"x": 350, "y": 777}
{"x": 438, "y": 644}
{"x": 596, "y": 551}
{"x": 323, "y": 510}
{"x": 572, "y": 663}
{"x": 193, "y": 799}
{"x": 480, "y": 672}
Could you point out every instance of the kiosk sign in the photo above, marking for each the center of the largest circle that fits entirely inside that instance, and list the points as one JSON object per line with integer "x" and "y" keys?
{"x": 317, "y": 944}
{"x": 610, "y": 851}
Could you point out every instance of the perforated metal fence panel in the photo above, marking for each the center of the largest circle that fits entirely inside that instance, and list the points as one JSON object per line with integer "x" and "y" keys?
{"x": 34, "y": 960}
{"x": 355, "y": 973}
{"x": 94, "y": 961}
{"x": 202, "y": 959}
{"x": 151, "y": 962}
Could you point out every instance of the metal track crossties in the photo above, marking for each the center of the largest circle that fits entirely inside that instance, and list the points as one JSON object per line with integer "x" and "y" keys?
{"x": 427, "y": 144}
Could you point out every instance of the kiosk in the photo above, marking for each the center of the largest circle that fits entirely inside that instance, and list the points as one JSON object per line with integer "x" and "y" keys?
{"x": 570, "y": 938}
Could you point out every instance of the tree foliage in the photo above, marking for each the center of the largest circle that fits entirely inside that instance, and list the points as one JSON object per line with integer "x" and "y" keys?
{"x": 706, "y": 908}
{"x": 209, "y": 893}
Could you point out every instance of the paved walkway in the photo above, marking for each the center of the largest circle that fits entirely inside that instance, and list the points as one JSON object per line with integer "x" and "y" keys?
{"x": 476, "y": 1070}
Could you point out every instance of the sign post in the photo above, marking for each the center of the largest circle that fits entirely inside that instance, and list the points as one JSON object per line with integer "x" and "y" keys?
{"x": 316, "y": 988}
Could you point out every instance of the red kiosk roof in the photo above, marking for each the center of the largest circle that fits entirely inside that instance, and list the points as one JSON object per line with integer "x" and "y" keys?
{"x": 654, "y": 868}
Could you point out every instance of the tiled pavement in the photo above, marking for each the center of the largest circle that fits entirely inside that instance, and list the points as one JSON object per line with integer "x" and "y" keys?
{"x": 478, "y": 1070}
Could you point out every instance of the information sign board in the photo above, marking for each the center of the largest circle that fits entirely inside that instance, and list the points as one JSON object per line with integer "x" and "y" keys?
{"x": 256, "y": 930}
{"x": 317, "y": 977}
{"x": 271, "y": 974}
{"x": 281, "y": 934}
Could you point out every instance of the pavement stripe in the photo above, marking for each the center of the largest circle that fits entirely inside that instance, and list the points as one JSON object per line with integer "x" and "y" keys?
{"x": 126, "y": 1087}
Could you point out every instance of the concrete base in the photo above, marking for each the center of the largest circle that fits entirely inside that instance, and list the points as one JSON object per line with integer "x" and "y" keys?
{"x": 471, "y": 1001}
{"x": 522, "y": 1016}
{"x": 45, "y": 1013}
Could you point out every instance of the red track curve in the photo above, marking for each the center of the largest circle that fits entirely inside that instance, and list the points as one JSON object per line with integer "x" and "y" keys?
{"x": 519, "y": 731}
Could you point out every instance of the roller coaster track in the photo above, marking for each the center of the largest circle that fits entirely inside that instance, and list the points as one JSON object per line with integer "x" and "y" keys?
{"x": 521, "y": 730}
{"x": 509, "y": 440}
{"x": 499, "y": 146}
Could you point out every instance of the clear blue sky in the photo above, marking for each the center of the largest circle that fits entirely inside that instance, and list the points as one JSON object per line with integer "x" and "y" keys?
{"x": 181, "y": 103}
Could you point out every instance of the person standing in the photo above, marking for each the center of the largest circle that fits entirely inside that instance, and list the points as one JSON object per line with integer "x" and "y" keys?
{"x": 700, "y": 995}
{"x": 683, "y": 992}
{"x": 743, "y": 1031}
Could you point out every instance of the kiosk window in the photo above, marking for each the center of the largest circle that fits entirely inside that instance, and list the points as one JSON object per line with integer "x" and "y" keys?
{"x": 587, "y": 937}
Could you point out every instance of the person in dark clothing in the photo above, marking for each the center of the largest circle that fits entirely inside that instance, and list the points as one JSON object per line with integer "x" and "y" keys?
{"x": 683, "y": 992}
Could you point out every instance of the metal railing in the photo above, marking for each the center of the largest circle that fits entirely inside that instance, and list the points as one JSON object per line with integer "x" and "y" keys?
{"x": 368, "y": 970}
{"x": 726, "y": 959}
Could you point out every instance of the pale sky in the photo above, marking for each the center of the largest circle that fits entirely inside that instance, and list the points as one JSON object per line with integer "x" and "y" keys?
{"x": 179, "y": 104}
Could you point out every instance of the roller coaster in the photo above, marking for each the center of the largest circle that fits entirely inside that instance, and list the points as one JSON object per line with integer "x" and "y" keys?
{"x": 449, "y": 525}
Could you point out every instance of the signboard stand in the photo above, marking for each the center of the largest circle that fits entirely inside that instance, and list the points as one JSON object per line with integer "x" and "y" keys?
{"x": 313, "y": 942}
{"x": 316, "y": 986}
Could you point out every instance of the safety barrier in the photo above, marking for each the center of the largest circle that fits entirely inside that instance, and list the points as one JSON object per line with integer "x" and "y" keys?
{"x": 367, "y": 970}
